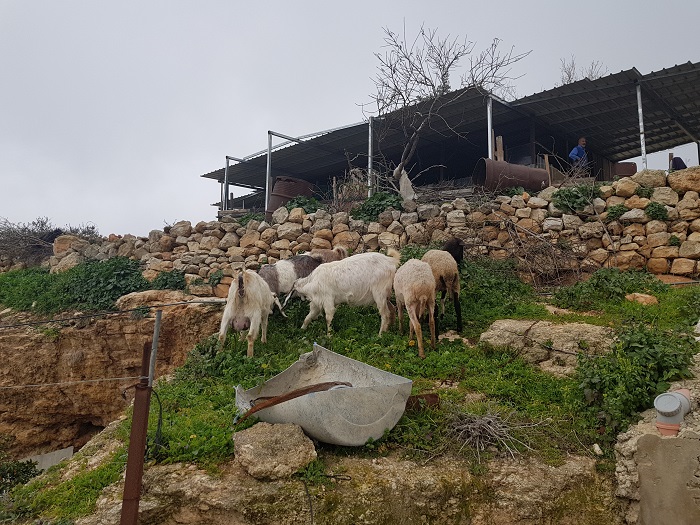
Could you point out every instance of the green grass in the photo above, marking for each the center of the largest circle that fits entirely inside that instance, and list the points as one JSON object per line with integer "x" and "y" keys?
{"x": 50, "y": 497}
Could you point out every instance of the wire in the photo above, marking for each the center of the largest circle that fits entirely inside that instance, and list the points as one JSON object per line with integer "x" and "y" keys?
{"x": 70, "y": 382}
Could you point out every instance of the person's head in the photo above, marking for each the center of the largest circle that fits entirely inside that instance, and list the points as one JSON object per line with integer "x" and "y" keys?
{"x": 582, "y": 142}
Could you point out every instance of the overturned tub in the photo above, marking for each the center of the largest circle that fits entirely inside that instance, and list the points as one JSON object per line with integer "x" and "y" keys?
{"x": 497, "y": 175}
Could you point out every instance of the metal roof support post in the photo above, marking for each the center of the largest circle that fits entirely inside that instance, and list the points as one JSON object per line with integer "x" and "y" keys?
{"x": 370, "y": 153}
{"x": 489, "y": 121}
{"x": 224, "y": 197}
{"x": 269, "y": 169}
{"x": 641, "y": 125}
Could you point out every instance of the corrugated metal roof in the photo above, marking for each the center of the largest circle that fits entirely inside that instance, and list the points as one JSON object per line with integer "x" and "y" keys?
{"x": 604, "y": 110}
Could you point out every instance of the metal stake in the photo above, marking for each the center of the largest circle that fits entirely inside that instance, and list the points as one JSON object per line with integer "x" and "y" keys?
{"x": 641, "y": 126}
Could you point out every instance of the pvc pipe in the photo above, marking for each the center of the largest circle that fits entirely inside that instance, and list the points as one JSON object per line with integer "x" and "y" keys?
{"x": 671, "y": 408}
{"x": 370, "y": 153}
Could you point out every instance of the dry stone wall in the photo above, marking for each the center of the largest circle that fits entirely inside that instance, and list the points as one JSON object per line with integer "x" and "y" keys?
{"x": 497, "y": 228}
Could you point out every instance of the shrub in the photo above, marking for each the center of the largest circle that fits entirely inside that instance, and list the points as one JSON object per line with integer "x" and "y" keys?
{"x": 245, "y": 219}
{"x": 309, "y": 204}
{"x": 94, "y": 285}
{"x": 512, "y": 191}
{"x": 215, "y": 277}
{"x": 640, "y": 366}
{"x": 173, "y": 280}
{"x": 674, "y": 241}
{"x": 369, "y": 210}
{"x": 13, "y": 473}
{"x": 607, "y": 284}
{"x": 575, "y": 198}
{"x": 656, "y": 211}
{"x": 644, "y": 192}
{"x": 617, "y": 211}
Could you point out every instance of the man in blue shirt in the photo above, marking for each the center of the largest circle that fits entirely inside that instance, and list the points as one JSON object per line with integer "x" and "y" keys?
{"x": 578, "y": 156}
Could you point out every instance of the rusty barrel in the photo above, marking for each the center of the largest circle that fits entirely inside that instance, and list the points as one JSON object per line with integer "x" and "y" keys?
{"x": 497, "y": 175}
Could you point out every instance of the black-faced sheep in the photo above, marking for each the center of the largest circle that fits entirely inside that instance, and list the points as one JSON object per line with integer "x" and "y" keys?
{"x": 446, "y": 274}
{"x": 414, "y": 286}
{"x": 359, "y": 280}
{"x": 248, "y": 305}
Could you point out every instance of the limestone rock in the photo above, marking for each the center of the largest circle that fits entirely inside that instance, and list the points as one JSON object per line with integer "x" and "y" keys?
{"x": 71, "y": 260}
{"x": 289, "y": 230}
{"x": 690, "y": 250}
{"x": 685, "y": 180}
{"x": 271, "y": 452}
{"x": 665, "y": 195}
{"x": 591, "y": 230}
{"x": 650, "y": 178}
{"x": 249, "y": 239}
{"x": 181, "y": 229}
{"x": 635, "y": 215}
{"x": 280, "y": 215}
{"x": 641, "y": 298}
{"x": 682, "y": 266}
{"x": 296, "y": 215}
{"x": 625, "y": 187}
{"x": 348, "y": 239}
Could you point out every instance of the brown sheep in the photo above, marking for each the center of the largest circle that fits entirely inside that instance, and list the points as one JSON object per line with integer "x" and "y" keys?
{"x": 414, "y": 286}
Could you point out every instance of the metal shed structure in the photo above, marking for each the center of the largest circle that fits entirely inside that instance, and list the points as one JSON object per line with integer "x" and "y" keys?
{"x": 623, "y": 115}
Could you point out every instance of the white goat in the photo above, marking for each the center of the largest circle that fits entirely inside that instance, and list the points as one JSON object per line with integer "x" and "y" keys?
{"x": 248, "y": 305}
{"x": 446, "y": 274}
{"x": 280, "y": 276}
{"x": 414, "y": 286}
{"x": 359, "y": 280}
{"x": 326, "y": 255}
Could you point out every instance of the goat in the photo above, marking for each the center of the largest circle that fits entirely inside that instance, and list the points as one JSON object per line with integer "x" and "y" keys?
{"x": 446, "y": 274}
{"x": 248, "y": 305}
{"x": 359, "y": 280}
{"x": 280, "y": 276}
{"x": 414, "y": 286}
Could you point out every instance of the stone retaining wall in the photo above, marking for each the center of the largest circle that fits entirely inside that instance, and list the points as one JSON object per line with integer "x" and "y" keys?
{"x": 498, "y": 228}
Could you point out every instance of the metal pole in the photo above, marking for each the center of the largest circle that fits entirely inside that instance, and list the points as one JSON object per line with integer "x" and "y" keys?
{"x": 154, "y": 348}
{"x": 224, "y": 199}
{"x": 698, "y": 145}
{"x": 269, "y": 169}
{"x": 137, "y": 445}
{"x": 370, "y": 153}
{"x": 489, "y": 123}
{"x": 641, "y": 126}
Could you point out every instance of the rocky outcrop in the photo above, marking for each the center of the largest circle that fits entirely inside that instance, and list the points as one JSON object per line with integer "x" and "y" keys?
{"x": 366, "y": 491}
{"x": 95, "y": 359}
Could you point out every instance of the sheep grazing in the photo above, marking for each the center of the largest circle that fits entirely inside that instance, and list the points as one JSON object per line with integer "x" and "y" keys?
{"x": 359, "y": 280}
{"x": 455, "y": 247}
{"x": 446, "y": 274}
{"x": 248, "y": 305}
{"x": 414, "y": 286}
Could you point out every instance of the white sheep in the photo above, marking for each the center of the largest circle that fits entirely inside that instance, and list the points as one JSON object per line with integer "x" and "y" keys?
{"x": 248, "y": 305}
{"x": 414, "y": 286}
{"x": 359, "y": 280}
{"x": 446, "y": 274}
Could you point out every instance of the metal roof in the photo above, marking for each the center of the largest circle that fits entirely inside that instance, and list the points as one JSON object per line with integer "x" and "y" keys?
{"x": 604, "y": 110}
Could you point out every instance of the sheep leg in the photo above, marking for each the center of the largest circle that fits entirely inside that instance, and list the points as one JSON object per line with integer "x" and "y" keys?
{"x": 436, "y": 318}
{"x": 314, "y": 312}
{"x": 415, "y": 324}
{"x": 225, "y": 324}
{"x": 279, "y": 305}
{"x": 458, "y": 310}
{"x": 444, "y": 296}
{"x": 399, "y": 305}
{"x": 329, "y": 307}
{"x": 433, "y": 324}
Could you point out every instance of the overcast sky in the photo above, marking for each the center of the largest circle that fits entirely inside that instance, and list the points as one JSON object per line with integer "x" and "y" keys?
{"x": 111, "y": 110}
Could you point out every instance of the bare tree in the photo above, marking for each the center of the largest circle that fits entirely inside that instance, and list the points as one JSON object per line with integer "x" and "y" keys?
{"x": 414, "y": 78}
{"x": 569, "y": 72}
